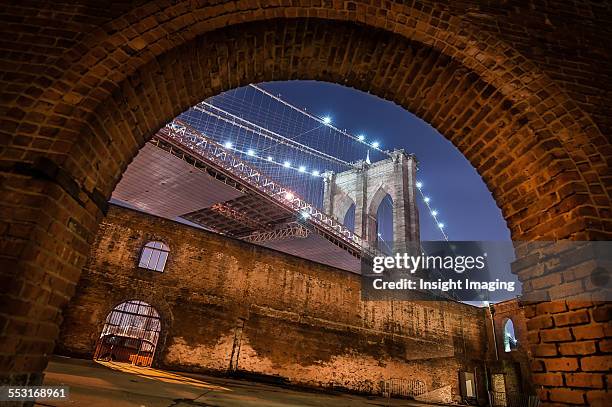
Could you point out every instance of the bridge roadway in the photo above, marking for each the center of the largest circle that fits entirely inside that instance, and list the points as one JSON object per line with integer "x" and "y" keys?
{"x": 182, "y": 175}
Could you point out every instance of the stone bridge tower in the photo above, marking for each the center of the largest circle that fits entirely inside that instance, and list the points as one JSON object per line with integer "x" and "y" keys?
{"x": 366, "y": 187}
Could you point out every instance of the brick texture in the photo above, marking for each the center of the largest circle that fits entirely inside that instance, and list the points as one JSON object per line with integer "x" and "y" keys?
{"x": 297, "y": 320}
{"x": 521, "y": 89}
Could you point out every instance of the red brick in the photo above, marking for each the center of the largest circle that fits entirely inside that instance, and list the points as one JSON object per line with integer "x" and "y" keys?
{"x": 591, "y": 331}
{"x": 596, "y": 363}
{"x": 543, "y": 321}
{"x": 537, "y": 366}
{"x": 568, "y": 396}
{"x": 548, "y": 379}
{"x": 556, "y": 335}
{"x": 572, "y": 318}
{"x": 544, "y": 350}
{"x": 573, "y": 305}
{"x": 533, "y": 337}
{"x": 577, "y": 348}
{"x": 584, "y": 380}
{"x": 561, "y": 364}
{"x": 602, "y": 313}
{"x": 551, "y": 307}
{"x": 605, "y": 345}
{"x": 598, "y": 398}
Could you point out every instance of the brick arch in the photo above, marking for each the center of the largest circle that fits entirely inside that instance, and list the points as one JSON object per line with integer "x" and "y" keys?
{"x": 89, "y": 71}
{"x": 538, "y": 152}
{"x": 164, "y": 311}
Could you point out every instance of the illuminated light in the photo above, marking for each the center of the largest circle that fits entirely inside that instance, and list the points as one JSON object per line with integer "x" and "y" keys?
{"x": 361, "y": 137}
{"x": 419, "y": 185}
{"x": 269, "y": 158}
{"x": 441, "y": 225}
{"x": 250, "y": 152}
{"x": 302, "y": 168}
{"x": 434, "y": 213}
{"x": 375, "y": 144}
{"x": 289, "y": 196}
{"x": 426, "y": 199}
{"x": 287, "y": 164}
{"x": 316, "y": 173}
{"x": 305, "y": 215}
{"x": 327, "y": 120}
{"x": 228, "y": 144}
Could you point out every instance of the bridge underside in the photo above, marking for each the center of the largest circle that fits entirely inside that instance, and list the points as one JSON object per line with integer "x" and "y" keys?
{"x": 159, "y": 183}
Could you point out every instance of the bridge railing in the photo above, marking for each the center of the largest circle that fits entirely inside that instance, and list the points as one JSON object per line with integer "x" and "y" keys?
{"x": 211, "y": 151}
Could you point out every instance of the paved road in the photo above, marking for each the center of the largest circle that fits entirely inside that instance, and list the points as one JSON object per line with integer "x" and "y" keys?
{"x": 112, "y": 384}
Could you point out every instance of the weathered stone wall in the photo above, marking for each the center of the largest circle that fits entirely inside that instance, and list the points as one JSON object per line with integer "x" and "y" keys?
{"x": 280, "y": 315}
{"x": 367, "y": 186}
{"x": 514, "y": 364}
{"x": 521, "y": 88}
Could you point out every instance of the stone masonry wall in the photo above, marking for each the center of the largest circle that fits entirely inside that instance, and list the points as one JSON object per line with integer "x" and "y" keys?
{"x": 223, "y": 301}
{"x": 515, "y": 364}
{"x": 522, "y": 89}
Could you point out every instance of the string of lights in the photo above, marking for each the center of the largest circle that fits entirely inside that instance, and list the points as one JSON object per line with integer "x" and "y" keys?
{"x": 249, "y": 126}
{"x": 291, "y": 145}
{"x": 326, "y": 120}
{"x": 433, "y": 212}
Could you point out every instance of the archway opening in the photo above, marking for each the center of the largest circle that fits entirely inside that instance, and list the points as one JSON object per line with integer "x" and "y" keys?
{"x": 349, "y": 217}
{"x": 130, "y": 334}
{"x": 510, "y": 341}
{"x": 468, "y": 97}
{"x": 384, "y": 225}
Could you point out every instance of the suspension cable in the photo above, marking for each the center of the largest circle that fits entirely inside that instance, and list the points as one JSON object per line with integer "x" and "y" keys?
{"x": 318, "y": 119}
{"x": 269, "y": 134}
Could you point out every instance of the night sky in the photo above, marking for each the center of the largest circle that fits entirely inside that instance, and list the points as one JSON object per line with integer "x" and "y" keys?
{"x": 456, "y": 190}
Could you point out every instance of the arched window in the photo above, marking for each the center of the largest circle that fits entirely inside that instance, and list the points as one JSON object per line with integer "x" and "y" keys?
{"x": 384, "y": 225}
{"x": 349, "y": 218}
{"x": 510, "y": 342}
{"x": 130, "y": 334}
{"x": 154, "y": 256}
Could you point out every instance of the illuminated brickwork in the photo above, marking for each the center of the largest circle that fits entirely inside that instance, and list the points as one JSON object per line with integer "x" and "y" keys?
{"x": 521, "y": 90}
{"x": 227, "y": 305}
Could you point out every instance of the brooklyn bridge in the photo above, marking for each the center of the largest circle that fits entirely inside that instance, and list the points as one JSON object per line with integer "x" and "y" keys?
{"x": 175, "y": 233}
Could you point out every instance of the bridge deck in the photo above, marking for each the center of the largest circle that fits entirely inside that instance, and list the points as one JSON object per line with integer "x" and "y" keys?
{"x": 168, "y": 179}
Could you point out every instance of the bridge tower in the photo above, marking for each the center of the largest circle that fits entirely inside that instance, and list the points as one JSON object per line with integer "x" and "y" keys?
{"x": 366, "y": 187}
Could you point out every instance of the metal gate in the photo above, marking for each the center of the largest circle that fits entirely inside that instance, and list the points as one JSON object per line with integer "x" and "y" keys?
{"x": 396, "y": 387}
{"x": 130, "y": 334}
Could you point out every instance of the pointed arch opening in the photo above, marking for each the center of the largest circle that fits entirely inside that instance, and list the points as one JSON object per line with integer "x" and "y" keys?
{"x": 384, "y": 225}
{"x": 510, "y": 341}
{"x": 349, "y": 217}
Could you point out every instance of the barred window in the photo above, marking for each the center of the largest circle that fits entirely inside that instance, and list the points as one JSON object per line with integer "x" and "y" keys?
{"x": 154, "y": 256}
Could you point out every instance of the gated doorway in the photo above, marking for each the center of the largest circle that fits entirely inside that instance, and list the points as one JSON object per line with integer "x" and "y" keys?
{"x": 130, "y": 334}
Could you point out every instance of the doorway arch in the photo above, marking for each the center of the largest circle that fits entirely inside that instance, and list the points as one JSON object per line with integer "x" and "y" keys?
{"x": 382, "y": 228}
{"x": 130, "y": 334}
{"x": 97, "y": 103}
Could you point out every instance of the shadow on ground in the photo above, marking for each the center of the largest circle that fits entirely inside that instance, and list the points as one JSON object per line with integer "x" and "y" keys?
{"x": 111, "y": 384}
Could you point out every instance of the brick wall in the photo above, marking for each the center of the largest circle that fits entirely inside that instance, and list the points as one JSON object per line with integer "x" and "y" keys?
{"x": 521, "y": 88}
{"x": 569, "y": 340}
{"x": 299, "y": 320}
{"x": 514, "y": 364}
